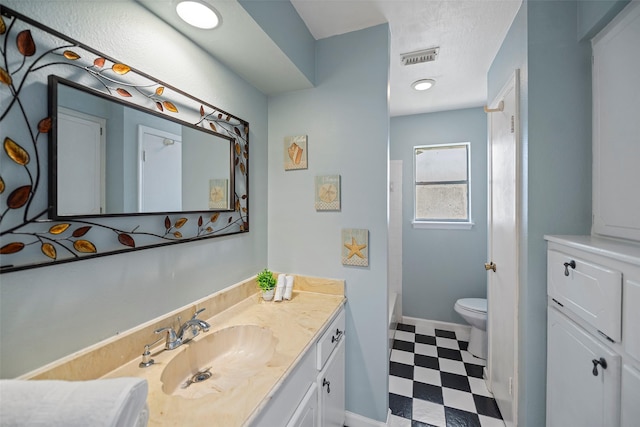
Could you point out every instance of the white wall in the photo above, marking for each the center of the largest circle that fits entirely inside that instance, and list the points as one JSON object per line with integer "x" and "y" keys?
{"x": 49, "y": 312}
{"x": 347, "y": 122}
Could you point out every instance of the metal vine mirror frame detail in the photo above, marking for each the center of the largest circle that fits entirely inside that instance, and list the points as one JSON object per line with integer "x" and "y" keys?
{"x": 31, "y": 234}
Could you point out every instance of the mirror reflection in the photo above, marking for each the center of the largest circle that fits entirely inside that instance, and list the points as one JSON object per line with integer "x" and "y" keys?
{"x": 112, "y": 159}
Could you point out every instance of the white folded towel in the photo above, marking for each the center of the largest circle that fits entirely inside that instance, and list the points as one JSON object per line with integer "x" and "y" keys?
{"x": 288, "y": 289}
{"x": 117, "y": 402}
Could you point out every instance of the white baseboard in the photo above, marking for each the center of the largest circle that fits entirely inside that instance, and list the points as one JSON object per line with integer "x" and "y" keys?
{"x": 355, "y": 420}
{"x": 462, "y": 331}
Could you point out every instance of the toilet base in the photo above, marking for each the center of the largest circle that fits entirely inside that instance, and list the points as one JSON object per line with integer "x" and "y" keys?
{"x": 478, "y": 343}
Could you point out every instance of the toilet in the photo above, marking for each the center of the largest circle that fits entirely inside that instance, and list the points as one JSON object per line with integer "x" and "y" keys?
{"x": 474, "y": 311}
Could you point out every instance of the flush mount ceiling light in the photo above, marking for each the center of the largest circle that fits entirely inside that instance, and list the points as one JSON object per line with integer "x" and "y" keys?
{"x": 198, "y": 14}
{"x": 423, "y": 84}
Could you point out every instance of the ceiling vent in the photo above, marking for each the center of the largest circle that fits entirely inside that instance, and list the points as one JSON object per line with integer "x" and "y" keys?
{"x": 420, "y": 56}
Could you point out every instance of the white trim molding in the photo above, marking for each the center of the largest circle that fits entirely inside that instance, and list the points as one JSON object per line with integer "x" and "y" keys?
{"x": 355, "y": 420}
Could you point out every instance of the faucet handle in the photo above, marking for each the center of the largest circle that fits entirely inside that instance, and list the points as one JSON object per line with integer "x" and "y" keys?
{"x": 197, "y": 312}
{"x": 172, "y": 338}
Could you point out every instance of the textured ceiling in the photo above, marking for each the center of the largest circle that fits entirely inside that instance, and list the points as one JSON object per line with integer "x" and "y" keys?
{"x": 468, "y": 32}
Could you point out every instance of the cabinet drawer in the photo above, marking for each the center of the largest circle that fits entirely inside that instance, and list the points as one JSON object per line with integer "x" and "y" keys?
{"x": 591, "y": 291}
{"x": 330, "y": 339}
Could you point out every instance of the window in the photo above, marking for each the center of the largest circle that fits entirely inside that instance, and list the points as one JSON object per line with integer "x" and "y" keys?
{"x": 442, "y": 191}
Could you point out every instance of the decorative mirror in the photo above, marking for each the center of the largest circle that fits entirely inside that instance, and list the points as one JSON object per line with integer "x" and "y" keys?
{"x": 133, "y": 162}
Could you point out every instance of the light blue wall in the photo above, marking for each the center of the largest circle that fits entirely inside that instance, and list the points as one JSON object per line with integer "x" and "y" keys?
{"x": 593, "y": 15}
{"x": 49, "y": 312}
{"x": 441, "y": 266}
{"x": 556, "y": 157}
{"x": 280, "y": 20}
{"x": 347, "y": 122}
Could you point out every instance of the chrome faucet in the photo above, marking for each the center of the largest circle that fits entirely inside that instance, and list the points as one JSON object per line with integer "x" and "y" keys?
{"x": 187, "y": 331}
{"x": 192, "y": 327}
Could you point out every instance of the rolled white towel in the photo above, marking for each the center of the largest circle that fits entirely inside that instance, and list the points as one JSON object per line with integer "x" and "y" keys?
{"x": 288, "y": 289}
{"x": 116, "y": 402}
{"x": 279, "y": 287}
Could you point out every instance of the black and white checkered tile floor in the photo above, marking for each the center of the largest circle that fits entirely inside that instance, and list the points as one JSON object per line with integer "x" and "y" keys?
{"x": 434, "y": 381}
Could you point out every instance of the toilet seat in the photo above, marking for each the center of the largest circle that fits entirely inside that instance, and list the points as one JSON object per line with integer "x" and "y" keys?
{"x": 476, "y": 305}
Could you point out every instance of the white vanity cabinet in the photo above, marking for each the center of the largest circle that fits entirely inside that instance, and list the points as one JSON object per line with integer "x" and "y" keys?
{"x": 313, "y": 394}
{"x": 593, "y": 332}
{"x": 330, "y": 380}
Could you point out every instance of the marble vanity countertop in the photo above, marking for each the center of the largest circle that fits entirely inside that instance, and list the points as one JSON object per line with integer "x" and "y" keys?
{"x": 295, "y": 324}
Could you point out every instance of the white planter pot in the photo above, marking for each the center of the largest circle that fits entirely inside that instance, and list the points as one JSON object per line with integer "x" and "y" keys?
{"x": 267, "y": 295}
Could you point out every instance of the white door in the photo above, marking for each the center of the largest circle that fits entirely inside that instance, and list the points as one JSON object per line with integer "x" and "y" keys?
{"x": 580, "y": 392}
{"x": 502, "y": 293}
{"x": 160, "y": 171}
{"x": 80, "y": 186}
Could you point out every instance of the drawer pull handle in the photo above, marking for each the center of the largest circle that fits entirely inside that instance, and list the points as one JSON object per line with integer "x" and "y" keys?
{"x": 337, "y": 336}
{"x": 571, "y": 264}
{"x": 326, "y": 383}
{"x": 597, "y": 362}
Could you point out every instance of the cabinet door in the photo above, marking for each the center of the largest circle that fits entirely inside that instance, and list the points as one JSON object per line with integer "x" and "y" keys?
{"x": 306, "y": 414}
{"x": 331, "y": 386}
{"x": 630, "y": 396}
{"x": 575, "y": 396}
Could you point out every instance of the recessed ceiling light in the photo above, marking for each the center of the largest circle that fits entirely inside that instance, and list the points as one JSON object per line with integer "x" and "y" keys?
{"x": 198, "y": 14}
{"x": 423, "y": 84}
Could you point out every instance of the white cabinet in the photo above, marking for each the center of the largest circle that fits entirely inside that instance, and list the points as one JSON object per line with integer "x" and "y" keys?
{"x": 331, "y": 383}
{"x": 616, "y": 128}
{"x": 581, "y": 392}
{"x": 630, "y": 396}
{"x": 307, "y": 413}
{"x": 593, "y": 332}
{"x": 313, "y": 394}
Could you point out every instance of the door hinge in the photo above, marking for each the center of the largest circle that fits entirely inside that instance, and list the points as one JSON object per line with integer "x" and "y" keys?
{"x": 510, "y": 386}
{"x": 513, "y": 124}
{"x": 101, "y": 131}
{"x": 144, "y": 156}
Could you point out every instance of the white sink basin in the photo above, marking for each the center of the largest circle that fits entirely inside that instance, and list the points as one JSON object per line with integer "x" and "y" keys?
{"x": 219, "y": 361}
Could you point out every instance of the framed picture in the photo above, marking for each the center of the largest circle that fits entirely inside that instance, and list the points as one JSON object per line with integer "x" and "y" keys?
{"x": 218, "y": 189}
{"x": 295, "y": 152}
{"x": 355, "y": 247}
{"x": 327, "y": 193}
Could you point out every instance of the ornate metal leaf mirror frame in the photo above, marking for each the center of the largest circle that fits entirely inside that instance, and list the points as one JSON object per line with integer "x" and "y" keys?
{"x": 31, "y": 233}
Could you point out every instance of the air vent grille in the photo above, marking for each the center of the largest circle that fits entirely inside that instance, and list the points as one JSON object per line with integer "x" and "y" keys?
{"x": 420, "y": 56}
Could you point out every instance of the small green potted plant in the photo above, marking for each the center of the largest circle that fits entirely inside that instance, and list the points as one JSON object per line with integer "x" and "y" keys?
{"x": 266, "y": 283}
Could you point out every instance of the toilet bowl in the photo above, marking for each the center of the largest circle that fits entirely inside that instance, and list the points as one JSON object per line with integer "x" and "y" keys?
{"x": 474, "y": 312}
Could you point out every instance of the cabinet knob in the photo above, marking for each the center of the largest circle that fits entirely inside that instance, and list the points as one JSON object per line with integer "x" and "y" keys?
{"x": 337, "y": 336}
{"x": 571, "y": 264}
{"x": 597, "y": 362}
{"x": 326, "y": 383}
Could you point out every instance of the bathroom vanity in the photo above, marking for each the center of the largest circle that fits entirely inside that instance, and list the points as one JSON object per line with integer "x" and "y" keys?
{"x": 593, "y": 340}
{"x": 259, "y": 364}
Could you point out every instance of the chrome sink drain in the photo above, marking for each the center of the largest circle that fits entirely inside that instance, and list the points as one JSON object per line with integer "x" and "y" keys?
{"x": 198, "y": 377}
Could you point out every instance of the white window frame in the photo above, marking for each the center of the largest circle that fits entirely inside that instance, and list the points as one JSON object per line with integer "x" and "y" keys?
{"x": 443, "y": 224}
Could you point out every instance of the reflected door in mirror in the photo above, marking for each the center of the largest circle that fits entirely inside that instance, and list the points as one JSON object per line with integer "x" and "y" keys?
{"x": 81, "y": 158}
